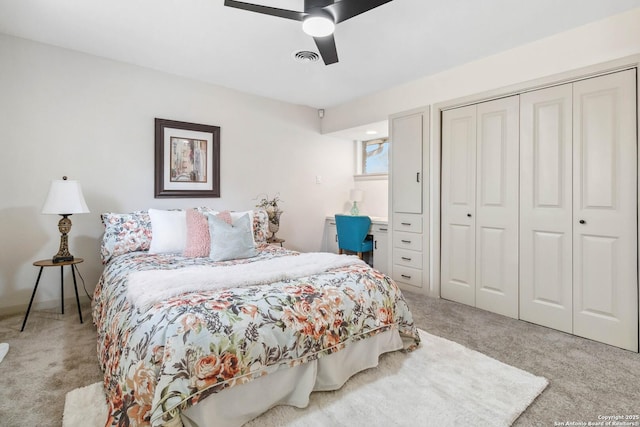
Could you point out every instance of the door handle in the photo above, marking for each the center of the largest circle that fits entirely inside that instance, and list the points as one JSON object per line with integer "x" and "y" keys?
{"x": 469, "y": 215}
{"x": 582, "y": 221}
{"x": 417, "y": 176}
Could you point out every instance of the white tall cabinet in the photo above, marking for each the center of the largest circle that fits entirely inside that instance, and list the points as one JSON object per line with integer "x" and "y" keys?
{"x": 578, "y": 204}
{"x": 409, "y": 198}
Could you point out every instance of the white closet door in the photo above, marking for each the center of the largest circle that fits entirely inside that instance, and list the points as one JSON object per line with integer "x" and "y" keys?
{"x": 546, "y": 208}
{"x": 458, "y": 205}
{"x": 605, "y": 210}
{"x": 407, "y": 163}
{"x": 497, "y": 158}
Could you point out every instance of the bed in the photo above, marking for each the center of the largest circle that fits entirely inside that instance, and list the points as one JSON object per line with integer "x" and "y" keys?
{"x": 198, "y": 341}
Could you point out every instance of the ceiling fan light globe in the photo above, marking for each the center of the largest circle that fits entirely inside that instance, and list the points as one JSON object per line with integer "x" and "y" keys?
{"x": 318, "y": 26}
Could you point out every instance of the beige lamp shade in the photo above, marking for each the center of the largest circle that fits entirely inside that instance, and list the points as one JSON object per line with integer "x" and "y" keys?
{"x": 356, "y": 195}
{"x": 65, "y": 198}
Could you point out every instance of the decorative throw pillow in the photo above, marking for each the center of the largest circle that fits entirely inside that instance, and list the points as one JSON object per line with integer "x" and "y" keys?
{"x": 169, "y": 231}
{"x": 124, "y": 233}
{"x": 225, "y": 216}
{"x": 231, "y": 241}
{"x": 198, "y": 242}
{"x": 260, "y": 225}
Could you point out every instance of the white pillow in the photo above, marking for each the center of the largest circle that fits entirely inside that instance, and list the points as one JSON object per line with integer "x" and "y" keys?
{"x": 168, "y": 230}
{"x": 231, "y": 241}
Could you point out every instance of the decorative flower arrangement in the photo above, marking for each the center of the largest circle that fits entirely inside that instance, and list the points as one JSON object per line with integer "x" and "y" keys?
{"x": 273, "y": 211}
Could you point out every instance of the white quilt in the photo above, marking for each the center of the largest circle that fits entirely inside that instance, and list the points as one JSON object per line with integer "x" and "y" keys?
{"x": 146, "y": 288}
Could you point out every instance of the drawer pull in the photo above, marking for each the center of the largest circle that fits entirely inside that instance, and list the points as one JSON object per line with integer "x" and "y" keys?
{"x": 405, "y": 276}
{"x": 405, "y": 223}
{"x": 406, "y": 241}
{"x": 406, "y": 258}
{"x": 384, "y": 229}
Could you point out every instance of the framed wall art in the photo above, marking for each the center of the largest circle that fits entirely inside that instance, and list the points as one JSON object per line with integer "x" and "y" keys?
{"x": 187, "y": 162}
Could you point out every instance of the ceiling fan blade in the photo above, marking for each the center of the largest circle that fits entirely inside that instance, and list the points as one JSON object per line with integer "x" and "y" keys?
{"x": 327, "y": 47}
{"x": 345, "y": 9}
{"x": 273, "y": 11}
{"x": 315, "y": 4}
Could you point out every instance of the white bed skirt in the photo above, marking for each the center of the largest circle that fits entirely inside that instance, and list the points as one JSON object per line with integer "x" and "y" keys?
{"x": 235, "y": 406}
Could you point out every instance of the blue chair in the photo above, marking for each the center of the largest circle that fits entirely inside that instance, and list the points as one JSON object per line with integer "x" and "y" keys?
{"x": 353, "y": 231}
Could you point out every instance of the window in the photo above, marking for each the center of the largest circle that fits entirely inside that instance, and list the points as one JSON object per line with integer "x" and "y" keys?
{"x": 375, "y": 156}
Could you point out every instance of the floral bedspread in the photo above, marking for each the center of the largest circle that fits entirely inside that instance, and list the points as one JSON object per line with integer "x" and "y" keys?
{"x": 163, "y": 360}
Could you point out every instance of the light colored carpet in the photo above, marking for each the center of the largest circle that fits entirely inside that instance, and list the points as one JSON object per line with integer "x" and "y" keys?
{"x": 441, "y": 384}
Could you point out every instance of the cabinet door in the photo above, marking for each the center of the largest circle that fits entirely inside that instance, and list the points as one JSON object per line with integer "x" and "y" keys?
{"x": 605, "y": 296}
{"x": 406, "y": 146}
{"x": 458, "y": 253}
{"x": 380, "y": 247}
{"x": 497, "y": 157}
{"x": 546, "y": 204}
{"x": 331, "y": 236}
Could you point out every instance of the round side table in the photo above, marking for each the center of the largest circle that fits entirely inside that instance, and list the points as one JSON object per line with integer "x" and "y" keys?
{"x": 49, "y": 263}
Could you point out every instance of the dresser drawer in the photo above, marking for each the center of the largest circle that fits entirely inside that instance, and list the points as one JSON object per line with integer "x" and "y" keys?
{"x": 407, "y": 258}
{"x": 379, "y": 228}
{"x": 407, "y": 222}
{"x": 408, "y": 275}
{"x": 411, "y": 241}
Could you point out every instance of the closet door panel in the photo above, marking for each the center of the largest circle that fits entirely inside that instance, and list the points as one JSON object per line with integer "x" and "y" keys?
{"x": 546, "y": 207}
{"x": 458, "y": 205}
{"x": 497, "y": 159}
{"x": 605, "y": 209}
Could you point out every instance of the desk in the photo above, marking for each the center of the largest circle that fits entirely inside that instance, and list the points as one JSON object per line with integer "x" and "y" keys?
{"x": 49, "y": 263}
{"x": 379, "y": 231}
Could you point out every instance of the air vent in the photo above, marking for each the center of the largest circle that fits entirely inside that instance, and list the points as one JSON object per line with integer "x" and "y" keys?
{"x": 306, "y": 56}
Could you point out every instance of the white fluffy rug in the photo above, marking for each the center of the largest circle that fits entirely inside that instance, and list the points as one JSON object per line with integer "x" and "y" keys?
{"x": 4, "y": 349}
{"x": 440, "y": 384}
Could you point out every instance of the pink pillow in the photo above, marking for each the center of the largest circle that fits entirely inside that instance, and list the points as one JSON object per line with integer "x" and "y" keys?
{"x": 226, "y": 217}
{"x": 198, "y": 238}
{"x": 198, "y": 241}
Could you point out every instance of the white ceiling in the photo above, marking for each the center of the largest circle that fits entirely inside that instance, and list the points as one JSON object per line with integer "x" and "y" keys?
{"x": 204, "y": 40}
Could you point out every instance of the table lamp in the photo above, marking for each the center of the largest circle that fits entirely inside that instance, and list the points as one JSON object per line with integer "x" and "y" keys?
{"x": 355, "y": 196}
{"x": 65, "y": 198}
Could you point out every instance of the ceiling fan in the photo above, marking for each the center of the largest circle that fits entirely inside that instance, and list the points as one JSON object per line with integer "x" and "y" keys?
{"x": 318, "y": 19}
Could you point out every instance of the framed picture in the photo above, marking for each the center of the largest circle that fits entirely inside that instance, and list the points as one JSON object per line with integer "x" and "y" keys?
{"x": 187, "y": 160}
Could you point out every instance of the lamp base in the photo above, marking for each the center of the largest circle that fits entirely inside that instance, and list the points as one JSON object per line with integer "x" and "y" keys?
{"x": 354, "y": 209}
{"x": 63, "y": 255}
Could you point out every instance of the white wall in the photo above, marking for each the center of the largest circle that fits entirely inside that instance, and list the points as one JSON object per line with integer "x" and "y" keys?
{"x": 601, "y": 41}
{"x": 67, "y": 113}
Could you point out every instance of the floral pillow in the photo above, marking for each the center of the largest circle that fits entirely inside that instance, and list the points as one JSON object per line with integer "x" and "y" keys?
{"x": 260, "y": 226}
{"x": 125, "y": 233}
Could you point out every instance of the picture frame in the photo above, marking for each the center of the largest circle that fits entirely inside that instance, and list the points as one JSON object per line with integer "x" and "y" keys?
{"x": 187, "y": 159}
